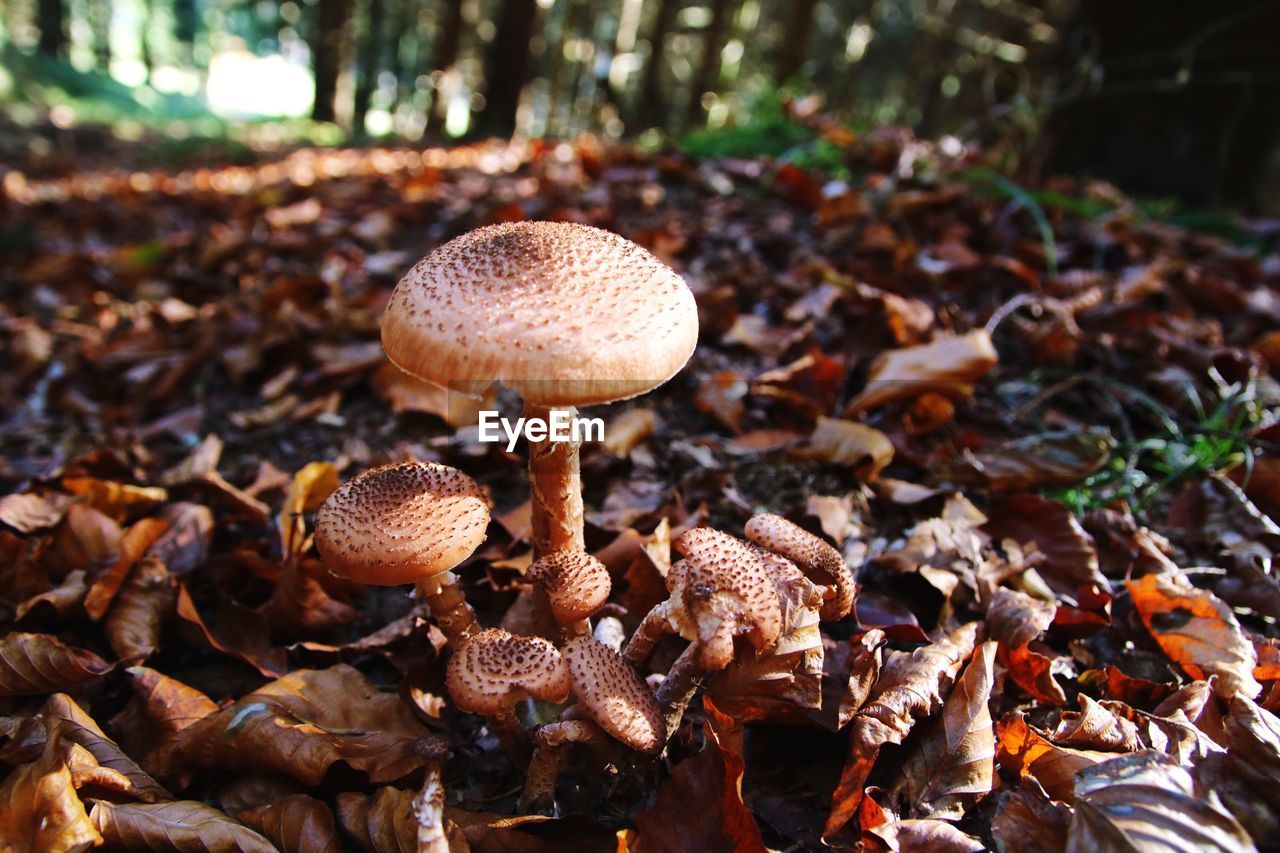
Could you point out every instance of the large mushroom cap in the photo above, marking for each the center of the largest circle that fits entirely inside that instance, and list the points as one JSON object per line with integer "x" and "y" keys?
{"x": 576, "y": 583}
{"x": 720, "y": 590}
{"x": 494, "y": 670}
{"x": 565, "y": 314}
{"x": 817, "y": 559}
{"x": 612, "y": 694}
{"x": 402, "y": 523}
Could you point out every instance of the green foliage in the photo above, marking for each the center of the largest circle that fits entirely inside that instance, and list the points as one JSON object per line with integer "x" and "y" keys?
{"x": 1215, "y": 439}
{"x": 767, "y": 132}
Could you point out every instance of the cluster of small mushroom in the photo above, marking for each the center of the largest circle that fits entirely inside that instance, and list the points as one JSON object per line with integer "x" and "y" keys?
{"x": 568, "y": 315}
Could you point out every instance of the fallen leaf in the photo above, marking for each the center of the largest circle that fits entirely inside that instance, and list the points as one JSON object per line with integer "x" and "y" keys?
{"x": 184, "y": 547}
{"x": 381, "y": 822}
{"x": 918, "y": 836}
{"x": 295, "y": 824}
{"x": 629, "y": 429}
{"x": 28, "y": 512}
{"x": 160, "y": 709}
{"x": 1022, "y": 750}
{"x": 148, "y": 597}
{"x": 1146, "y": 801}
{"x": 1017, "y": 620}
{"x": 39, "y": 663}
{"x": 1027, "y": 821}
{"x": 1197, "y": 631}
{"x": 839, "y": 442}
{"x": 235, "y": 631}
{"x": 180, "y": 825}
{"x": 137, "y": 539}
{"x": 40, "y": 811}
{"x": 950, "y": 365}
{"x": 65, "y": 721}
{"x": 952, "y": 765}
{"x": 723, "y": 396}
{"x": 911, "y": 687}
{"x": 1060, "y": 458}
{"x": 308, "y": 720}
{"x": 63, "y": 599}
{"x": 1069, "y": 559}
{"x": 118, "y": 500}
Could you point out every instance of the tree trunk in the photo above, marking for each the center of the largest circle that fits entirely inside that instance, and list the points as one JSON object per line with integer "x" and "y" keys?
{"x": 326, "y": 52}
{"x": 1186, "y": 103}
{"x": 53, "y": 31}
{"x": 709, "y": 68}
{"x": 795, "y": 43}
{"x": 506, "y": 66}
{"x": 652, "y": 110}
{"x": 144, "y": 39}
{"x": 369, "y": 55}
{"x": 448, "y": 43}
{"x": 186, "y": 24}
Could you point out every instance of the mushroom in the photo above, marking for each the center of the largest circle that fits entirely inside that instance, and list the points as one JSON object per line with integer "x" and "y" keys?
{"x": 565, "y": 314}
{"x": 820, "y": 562}
{"x": 610, "y": 698}
{"x": 494, "y": 671}
{"x": 407, "y": 523}
{"x": 722, "y": 589}
{"x": 576, "y": 585}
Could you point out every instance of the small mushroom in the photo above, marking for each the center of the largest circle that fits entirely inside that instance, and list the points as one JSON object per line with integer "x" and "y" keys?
{"x": 565, "y": 314}
{"x": 494, "y": 671}
{"x": 820, "y": 562}
{"x": 722, "y": 589}
{"x": 407, "y": 523}
{"x": 610, "y": 698}
{"x": 576, "y": 585}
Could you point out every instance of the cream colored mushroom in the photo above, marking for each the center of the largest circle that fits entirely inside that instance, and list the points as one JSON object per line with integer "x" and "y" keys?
{"x": 820, "y": 562}
{"x": 565, "y": 314}
{"x": 407, "y": 523}
{"x": 610, "y": 698}
{"x": 494, "y": 671}
{"x": 576, "y": 585}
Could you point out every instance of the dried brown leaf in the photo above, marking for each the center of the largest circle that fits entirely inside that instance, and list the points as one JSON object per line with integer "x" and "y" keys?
{"x": 65, "y": 721}
{"x": 1017, "y": 620}
{"x": 1027, "y": 821}
{"x": 39, "y": 663}
{"x": 183, "y": 825}
{"x": 235, "y": 631}
{"x": 39, "y": 808}
{"x": 118, "y": 500}
{"x": 137, "y": 539}
{"x": 950, "y": 365}
{"x": 295, "y": 824}
{"x": 1197, "y": 631}
{"x": 148, "y": 597}
{"x": 28, "y": 512}
{"x": 839, "y": 442}
{"x": 1069, "y": 558}
{"x": 1026, "y": 752}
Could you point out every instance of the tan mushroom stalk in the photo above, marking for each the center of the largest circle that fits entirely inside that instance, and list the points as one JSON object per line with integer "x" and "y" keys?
{"x": 820, "y": 562}
{"x": 722, "y": 589}
{"x": 408, "y": 523}
{"x": 494, "y": 671}
{"x": 565, "y": 314}
{"x": 610, "y": 699}
{"x": 576, "y": 585}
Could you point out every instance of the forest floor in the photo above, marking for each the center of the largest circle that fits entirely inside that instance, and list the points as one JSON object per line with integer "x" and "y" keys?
{"x": 1060, "y": 504}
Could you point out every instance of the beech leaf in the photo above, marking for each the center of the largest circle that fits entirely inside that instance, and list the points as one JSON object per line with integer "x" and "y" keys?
{"x": 295, "y": 824}
{"x": 183, "y": 825}
{"x": 39, "y": 663}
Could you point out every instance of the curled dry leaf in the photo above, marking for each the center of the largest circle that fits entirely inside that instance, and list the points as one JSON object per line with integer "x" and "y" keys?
{"x": 950, "y": 365}
{"x": 28, "y": 512}
{"x": 723, "y": 396}
{"x": 185, "y": 545}
{"x": 301, "y": 606}
{"x": 311, "y": 485}
{"x": 1027, "y": 821}
{"x": 65, "y": 721}
{"x": 135, "y": 619}
{"x": 160, "y": 709}
{"x": 1069, "y": 559}
{"x": 1145, "y": 801}
{"x": 118, "y": 500}
{"x": 1197, "y": 631}
{"x": 1060, "y": 458}
{"x": 1024, "y": 751}
{"x": 31, "y": 664}
{"x": 1095, "y": 726}
{"x": 62, "y": 600}
{"x": 86, "y": 539}
{"x": 308, "y": 720}
{"x": 180, "y": 825}
{"x": 1017, "y": 620}
{"x": 235, "y": 631}
{"x": 918, "y": 836}
{"x": 839, "y": 442}
{"x": 629, "y": 429}
{"x": 953, "y": 763}
{"x": 381, "y": 822}
{"x": 295, "y": 824}
{"x": 40, "y": 810}
{"x": 911, "y": 687}
{"x": 137, "y": 539}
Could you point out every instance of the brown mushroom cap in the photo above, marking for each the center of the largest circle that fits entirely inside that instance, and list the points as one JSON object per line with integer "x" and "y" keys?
{"x": 720, "y": 590}
{"x": 817, "y": 559}
{"x": 565, "y": 314}
{"x": 494, "y": 670}
{"x": 576, "y": 583}
{"x": 402, "y": 523}
{"x": 614, "y": 696}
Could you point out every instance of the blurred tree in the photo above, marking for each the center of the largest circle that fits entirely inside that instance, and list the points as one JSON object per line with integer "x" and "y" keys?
{"x": 506, "y": 67}
{"x": 706, "y": 78}
{"x": 795, "y": 40}
{"x": 53, "y": 29}
{"x": 326, "y": 54}
{"x": 369, "y": 59}
{"x": 100, "y": 22}
{"x": 652, "y": 111}
{"x": 444, "y": 57}
{"x": 144, "y": 40}
{"x": 186, "y": 25}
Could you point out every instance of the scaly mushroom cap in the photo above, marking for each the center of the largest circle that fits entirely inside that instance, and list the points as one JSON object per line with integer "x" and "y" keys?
{"x": 614, "y": 696}
{"x": 722, "y": 589}
{"x": 402, "y": 523}
{"x": 494, "y": 670}
{"x": 817, "y": 559}
{"x": 565, "y": 314}
{"x": 576, "y": 583}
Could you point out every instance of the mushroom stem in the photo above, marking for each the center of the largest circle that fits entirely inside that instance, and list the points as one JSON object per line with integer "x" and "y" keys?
{"x": 677, "y": 689}
{"x": 652, "y": 628}
{"x": 551, "y": 744}
{"x": 428, "y": 811}
{"x": 454, "y": 616}
{"x": 556, "y": 487}
{"x": 511, "y": 734}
